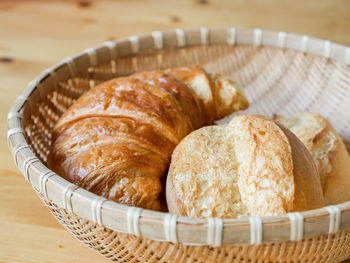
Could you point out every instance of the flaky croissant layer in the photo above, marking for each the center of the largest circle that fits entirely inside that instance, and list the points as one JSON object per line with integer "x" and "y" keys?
{"x": 117, "y": 139}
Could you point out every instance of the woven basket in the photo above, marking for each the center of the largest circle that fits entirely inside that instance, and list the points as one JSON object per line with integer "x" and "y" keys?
{"x": 279, "y": 72}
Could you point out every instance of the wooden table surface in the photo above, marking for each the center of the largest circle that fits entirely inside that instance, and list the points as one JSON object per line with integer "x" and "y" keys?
{"x": 36, "y": 34}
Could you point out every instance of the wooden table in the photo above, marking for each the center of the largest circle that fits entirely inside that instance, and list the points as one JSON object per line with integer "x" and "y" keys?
{"x": 36, "y": 34}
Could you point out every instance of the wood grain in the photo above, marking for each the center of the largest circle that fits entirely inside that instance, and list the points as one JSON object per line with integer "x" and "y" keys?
{"x": 37, "y": 34}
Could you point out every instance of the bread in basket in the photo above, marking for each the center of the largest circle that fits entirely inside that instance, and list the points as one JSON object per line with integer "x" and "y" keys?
{"x": 279, "y": 72}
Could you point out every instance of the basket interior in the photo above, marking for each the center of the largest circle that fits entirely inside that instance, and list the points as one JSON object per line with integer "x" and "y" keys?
{"x": 275, "y": 81}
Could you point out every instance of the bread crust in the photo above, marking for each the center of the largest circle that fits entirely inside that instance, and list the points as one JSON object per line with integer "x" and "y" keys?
{"x": 249, "y": 167}
{"x": 116, "y": 140}
{"x": 328, "y": 151}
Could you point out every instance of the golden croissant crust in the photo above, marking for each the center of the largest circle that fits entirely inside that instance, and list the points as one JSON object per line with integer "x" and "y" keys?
{"x": 116, "y": 140}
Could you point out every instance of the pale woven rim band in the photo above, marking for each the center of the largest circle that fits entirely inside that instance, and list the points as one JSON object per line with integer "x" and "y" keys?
{"x": 13, "y": 114}
{"x": 204, "y": 35}
{"x": 14, "y": 131}
{"x": 112, "y": 46}
{"x": 214, "y": 232}
{"x": 67, "y": 197}
{"x": 257, "y": 37}
{"x": 282, "y": 39}
{"x": 158, "y": 39}
{"x": 255, "y": 230}
{"x": 28, "y": 162}
{"x": 296, "y": 226}
{"x": 32, "y": 84}
{"x": 334, "y": 218}
{"x": 181, "y": 37}
{"x": 43, "y": 180}
{"x": 96, "y": 207}
{"x": 71, "y": 66}
{"x": 327, "y": 49}
{"x": 40, "y": 88}
{"x": 92, "y": 56}
{"x": 17, "y": 150}
{"x": 135, "y": 45}
{"x": 132, "y": 220}
{"x": 21, "y": 100}
{"x": 52, "y": 74}
{"x": 170, "y": 228}
{"x": 347, "y": 56}
{"x": 231, "y": 36}
{"x": 304, "y": 43}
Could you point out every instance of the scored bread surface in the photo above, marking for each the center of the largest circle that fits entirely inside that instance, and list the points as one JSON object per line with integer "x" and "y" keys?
{"x": 251, "y": 166}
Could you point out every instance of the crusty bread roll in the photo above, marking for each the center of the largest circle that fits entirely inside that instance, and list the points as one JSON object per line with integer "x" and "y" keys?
{"x": 116, "y": 140}
{"x": 328, "y": 151}
{"x": 249, "y": 167}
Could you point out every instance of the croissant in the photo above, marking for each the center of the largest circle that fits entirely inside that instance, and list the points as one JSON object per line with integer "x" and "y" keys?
{"x": 117, "y": 139}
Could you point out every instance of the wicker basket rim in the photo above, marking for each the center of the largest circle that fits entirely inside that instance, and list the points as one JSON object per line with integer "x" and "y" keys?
{"x": 293, "y": 226}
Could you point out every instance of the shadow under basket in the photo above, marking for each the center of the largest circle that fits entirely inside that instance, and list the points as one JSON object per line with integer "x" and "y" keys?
{"x": 279, "y": 73}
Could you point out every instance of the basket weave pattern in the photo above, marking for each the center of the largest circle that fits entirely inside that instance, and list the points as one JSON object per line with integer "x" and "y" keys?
{"x": 120, "y": 247}
{"x": 275, "y": 80}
